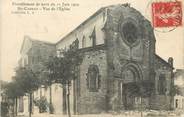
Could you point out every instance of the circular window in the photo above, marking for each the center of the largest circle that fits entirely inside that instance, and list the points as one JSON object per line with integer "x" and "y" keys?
{"x": 129, "y": 32}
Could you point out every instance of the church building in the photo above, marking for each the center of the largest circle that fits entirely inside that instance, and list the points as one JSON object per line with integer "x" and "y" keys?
{"x": 120, "y": 69}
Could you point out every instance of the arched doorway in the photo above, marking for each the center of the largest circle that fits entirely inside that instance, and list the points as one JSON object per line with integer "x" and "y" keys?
{"x": 129, "y": 88}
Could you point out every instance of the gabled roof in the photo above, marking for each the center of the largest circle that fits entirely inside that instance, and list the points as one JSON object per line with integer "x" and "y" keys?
{"x": 23, "y": 43}
{"x": 43, "y": 42}
{"x": 91, "y": 17}
{"x": 162, "y": 61}
{"x": 34, "y": 40}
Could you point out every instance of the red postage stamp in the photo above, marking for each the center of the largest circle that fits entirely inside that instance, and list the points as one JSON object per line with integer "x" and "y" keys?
{"x": 166, "y": 14}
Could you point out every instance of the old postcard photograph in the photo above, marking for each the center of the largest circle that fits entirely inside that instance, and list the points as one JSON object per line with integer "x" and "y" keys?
{"x": 95, "y": 58}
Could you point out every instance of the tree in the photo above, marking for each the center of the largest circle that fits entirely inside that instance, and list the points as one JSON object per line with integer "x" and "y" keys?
{"x": 46, "y": 77}
{"x": 13, "y": 91}
{"x": 28, "y": 81}
{"x": 51, "y": 75}
{"x": 62, "y": 69}
{"x": 4, "y": 103}
{"x": 4, "y": 109}
{"x": 71, "y": 60}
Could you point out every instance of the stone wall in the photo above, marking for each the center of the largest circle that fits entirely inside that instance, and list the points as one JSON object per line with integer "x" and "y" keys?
{"x": 92, "y": 102}
{"x": 160, "y": 102}
{"x": 41, "y": 52}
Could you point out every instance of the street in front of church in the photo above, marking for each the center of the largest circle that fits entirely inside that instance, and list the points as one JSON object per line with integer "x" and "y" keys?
{"x": 150, "y": 113}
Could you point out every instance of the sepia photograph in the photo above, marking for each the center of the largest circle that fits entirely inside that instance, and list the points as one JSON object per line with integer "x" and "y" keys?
{"x": 78, "y": 58}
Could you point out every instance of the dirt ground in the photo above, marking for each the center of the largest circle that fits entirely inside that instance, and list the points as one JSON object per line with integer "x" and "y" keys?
{"x": 150, "y": 113}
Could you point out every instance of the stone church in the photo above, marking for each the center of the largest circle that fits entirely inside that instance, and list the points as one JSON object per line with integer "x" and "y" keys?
{"x": 120, "y": 69}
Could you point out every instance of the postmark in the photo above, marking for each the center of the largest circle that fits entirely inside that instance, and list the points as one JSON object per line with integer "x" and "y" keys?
{"x": 166, "y": 14}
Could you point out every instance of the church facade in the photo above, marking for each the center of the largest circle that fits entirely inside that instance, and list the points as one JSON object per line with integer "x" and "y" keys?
{"x": 120, "y": 69}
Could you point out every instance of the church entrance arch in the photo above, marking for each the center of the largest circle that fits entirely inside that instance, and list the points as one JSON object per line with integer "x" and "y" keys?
{"x": 131, "y": 74}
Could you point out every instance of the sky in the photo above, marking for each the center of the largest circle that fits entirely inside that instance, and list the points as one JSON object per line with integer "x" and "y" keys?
{"x": 52, "y": 26}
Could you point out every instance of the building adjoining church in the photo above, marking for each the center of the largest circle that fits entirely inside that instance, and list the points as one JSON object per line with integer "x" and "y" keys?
{"x": 179, "y": 84}
{"x": 120, "y": 69}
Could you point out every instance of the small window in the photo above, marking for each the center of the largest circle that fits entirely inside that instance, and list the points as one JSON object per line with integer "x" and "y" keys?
{"x": 93, "y": 78}
{"x": 162, "y": 84}
{"x": 93, "y": 37}
{"x": 176, "y": 103}
{"x": 83, "y": 42}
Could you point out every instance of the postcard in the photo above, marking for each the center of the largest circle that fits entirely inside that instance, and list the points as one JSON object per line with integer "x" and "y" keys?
{"x": 92, "y": 58}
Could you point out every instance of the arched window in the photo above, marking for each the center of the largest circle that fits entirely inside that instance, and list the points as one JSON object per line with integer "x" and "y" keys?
{"x": 162, "y": 84}
{"x": 83, "y": 42}
{"x": 93, "y": 37}
{"x": 93, "y": 78}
